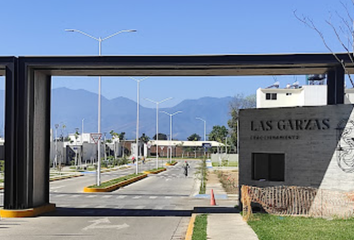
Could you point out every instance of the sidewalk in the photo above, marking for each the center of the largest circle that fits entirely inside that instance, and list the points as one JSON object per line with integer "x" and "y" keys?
{"x": 223, "y": 226}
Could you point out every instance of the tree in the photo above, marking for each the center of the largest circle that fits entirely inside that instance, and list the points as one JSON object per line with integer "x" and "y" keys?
{"x": 194, "y": 137}
{"x": 162, "y": 136}
{"x": 218, "y": 133}
{"x": 237, "y": 103}
{"x": 144, "y": 138}
{"x": 342, "y": 29}
{"x": 120, "y": 136}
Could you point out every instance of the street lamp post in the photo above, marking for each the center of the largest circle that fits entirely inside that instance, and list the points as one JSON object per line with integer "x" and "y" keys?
{"x": 75, "y": 148}
{"x": 137, "y": 121}
{"x": 100, "y": 40}
{"x": 204, "y": 126}
{"x": 56, "y": 146}
{"x": 104, "y": 148}
{"x": 82, "y": 131}
{"x": 157, "y": 127}
{"x": 171, "y": 115}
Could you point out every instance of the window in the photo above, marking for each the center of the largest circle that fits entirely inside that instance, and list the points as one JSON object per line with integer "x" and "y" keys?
{"x": 271, "y": 96}
{"x": 268, "y": 166}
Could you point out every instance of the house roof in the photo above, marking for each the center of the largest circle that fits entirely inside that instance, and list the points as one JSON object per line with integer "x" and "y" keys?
{"x": 185, "y": 143}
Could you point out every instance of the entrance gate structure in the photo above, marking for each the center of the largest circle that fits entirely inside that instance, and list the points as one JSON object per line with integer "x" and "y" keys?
{"x": 28, "y": 88}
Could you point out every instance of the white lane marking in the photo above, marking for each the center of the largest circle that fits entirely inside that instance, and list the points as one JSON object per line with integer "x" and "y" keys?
{"x": 136, "y": 197}
{"x": 74, "y": 196}
{"x": 104, "y": 224}
{"x": 61, "y": 195}
{"x": 121, "y": 197}
{"x": 168, "y": 197}
{"x": 139, "y": 207}
{"x": 158, "y": 207}
{"x": 100, "y": 206}
{"x": 152, "y": 197}
{"x": 91, "y": 196}
{"x": 107, "y": 196}
{"x": 56, "y": 187}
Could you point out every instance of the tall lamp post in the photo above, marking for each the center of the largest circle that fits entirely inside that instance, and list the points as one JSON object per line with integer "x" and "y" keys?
{"x": 157, "y": 126}
{"x": 171, "y": 115}
{"x": 75, "y": 148}
{"x": 204, "y": 126}
{"x": 137, "y": 120}
{"x": 82, "y": 131}
{"x": 100, "y": 40}
{"x": 56, "y": 146}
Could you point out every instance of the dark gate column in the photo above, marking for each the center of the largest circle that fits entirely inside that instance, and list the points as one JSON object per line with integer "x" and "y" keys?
{"x": 335, "y": 86}
{"x": 28, "y": 187}
{"x": 11, "y": 174}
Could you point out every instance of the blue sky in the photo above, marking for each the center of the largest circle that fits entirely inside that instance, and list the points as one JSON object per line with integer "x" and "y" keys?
{"x": 165, "y": 27}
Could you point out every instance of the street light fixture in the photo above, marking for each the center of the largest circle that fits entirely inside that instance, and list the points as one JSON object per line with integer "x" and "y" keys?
{"x": 137, "y": 120}
{"x": 171, "y": 115}
{"x": 157, "y": 127}
{"x": 204, "y": 126}
{"x": 100, "y": 40}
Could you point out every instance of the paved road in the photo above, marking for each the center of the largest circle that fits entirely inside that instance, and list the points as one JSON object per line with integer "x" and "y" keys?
{"x": 157, "y": 207}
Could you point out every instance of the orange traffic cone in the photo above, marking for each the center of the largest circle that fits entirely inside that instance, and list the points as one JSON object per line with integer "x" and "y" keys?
{"x": 212, "y": 199}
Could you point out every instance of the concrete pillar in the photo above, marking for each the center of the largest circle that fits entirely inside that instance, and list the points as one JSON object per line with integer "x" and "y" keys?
{"x": 11, "y": 193}
{"x": 28, "y": 124}
{"x": 335, "y": 86}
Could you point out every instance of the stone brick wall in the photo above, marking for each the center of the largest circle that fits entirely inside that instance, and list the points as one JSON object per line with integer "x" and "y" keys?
{"x": 318, "y": 151}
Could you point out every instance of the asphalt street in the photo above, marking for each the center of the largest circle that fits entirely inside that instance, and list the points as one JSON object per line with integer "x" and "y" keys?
{"x": 157, "y": 207}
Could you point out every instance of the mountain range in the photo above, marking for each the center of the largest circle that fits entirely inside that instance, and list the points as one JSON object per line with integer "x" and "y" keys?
{"x": 74, "y": 107}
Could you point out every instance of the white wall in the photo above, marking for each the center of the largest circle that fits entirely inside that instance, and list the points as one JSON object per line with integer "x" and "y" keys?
{"x": 308, "y": 95}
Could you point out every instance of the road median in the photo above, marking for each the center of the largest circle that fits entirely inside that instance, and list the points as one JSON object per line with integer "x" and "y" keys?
{"x": 115, "y": 183}
{"x": 155, "y": 171}
{"x": 171, "y": 163}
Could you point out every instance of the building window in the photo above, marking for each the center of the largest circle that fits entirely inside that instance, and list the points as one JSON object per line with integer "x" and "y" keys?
{"x": 271, "y": 96}
{"x": 268, "y": 166}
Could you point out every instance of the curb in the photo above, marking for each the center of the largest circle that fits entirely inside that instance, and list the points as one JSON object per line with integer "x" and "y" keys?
{"x": 189, "y": 232}
{"x": 155, "y": 172}
{"x": 30, "y": 212}
{"x": 65, "y": 177}
{"x": 171, "y": 164}
{"x": 115, "y": 186}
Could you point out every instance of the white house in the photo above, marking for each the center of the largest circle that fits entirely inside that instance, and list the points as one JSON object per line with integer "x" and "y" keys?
{"x": 307, "y": 95}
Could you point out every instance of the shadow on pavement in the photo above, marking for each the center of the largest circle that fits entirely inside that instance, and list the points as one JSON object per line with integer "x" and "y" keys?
{"x": 216, "y": 210}
{"x": 99, "y": 212}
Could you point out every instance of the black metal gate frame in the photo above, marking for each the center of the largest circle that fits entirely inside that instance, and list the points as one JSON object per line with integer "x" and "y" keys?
{"x": 27, "y": 99}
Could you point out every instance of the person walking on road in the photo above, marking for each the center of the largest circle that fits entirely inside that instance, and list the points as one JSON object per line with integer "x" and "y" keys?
{"x": 185, "y": 168}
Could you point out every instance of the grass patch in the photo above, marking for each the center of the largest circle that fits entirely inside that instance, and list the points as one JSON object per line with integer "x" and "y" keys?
{"x": 270, "y": 227}
{"x": 225, "y": 163}
{"x": 155, "y": 169}
{"x": 115, "y": 181}
{"x": 200, "y": 227}
{"x": 1, "y": 180}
